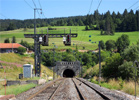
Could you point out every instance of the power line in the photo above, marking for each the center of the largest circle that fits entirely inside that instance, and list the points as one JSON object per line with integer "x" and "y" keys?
{"x": 136, "y": 8}
{"x": 41, "y": 8}
{"x": 99, "y": 4}
{"x": 90, "y": 6}
{"x": 40, "y": 3}
{"x": 3, "y": 16}
{"x": 35, "y": 7}
{"x": 28, "y": 4}
{"x": 34, "y": 3}
{"x": 133, "y": 4}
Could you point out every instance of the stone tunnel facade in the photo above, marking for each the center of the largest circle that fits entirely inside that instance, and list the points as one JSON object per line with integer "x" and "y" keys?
{"x": 68, "y": 69}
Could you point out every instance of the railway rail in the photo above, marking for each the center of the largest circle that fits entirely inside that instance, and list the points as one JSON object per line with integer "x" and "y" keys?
{"x": 68, "y": 88}
{"x": 71, "y": 89}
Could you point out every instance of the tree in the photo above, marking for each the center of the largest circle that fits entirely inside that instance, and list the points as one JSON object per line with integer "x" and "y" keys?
{"x": 69, "y": 50}
{"x": 104, "y": 55}
{"x": 70, "y": 22}
{"x": 102, "y": 24}
{"x": 86, "y": 28}
{"x": 11, "y": 26}
{"x": 110, "y": 69}
{"x": 47, "y": 59}
{"x": 125, "y": 13}
{"x": 7, "y": 40}
{"x": 13, "y": 39}
{"x": 27, "y": 45}
{"x": 110, "y": 45}
{"x": 126, "y": 71}
{"x": 109, "y": 26}
{"x": 68, "y": 57}
{"x": 21, "y": 50}
{"x": 87, "y": 59}
{"x": 102, "y": 45}
{"x": 138, "y": 42}
{"x": 122, "y": 43}
{"x": 101, "y": 33}
{"x": 80, "y": 22}
{"x": 131, "y": 53}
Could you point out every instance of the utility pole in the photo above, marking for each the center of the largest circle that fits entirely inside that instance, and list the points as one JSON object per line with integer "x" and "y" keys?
{"x": 53, "y": 63}
{"x": 99, "y": 64}
{"x": 136, "y": 65}
{"x": 36, "y": 46}
{"x": 99, "y": 58}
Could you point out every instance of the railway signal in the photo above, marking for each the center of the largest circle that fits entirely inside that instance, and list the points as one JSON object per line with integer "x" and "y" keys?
{"x": 43, "y": 39}
{"x": 68, "y": 40}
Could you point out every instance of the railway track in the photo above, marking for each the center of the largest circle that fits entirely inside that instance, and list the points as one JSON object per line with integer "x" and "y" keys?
{"x": 88, "y": 92}
{"x": 68, "y": 89}
{"x": 47, "y": 92}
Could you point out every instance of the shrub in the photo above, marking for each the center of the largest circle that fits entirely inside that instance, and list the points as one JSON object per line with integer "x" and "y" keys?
{"x": 21, "y": 50}
{"x": 126, "y": 71}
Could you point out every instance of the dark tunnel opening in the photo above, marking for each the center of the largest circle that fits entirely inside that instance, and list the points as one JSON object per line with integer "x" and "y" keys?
{"x": 68, "y": 73}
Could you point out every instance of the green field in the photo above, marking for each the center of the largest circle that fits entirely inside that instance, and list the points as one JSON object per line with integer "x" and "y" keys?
{"x": 81, "y": 40}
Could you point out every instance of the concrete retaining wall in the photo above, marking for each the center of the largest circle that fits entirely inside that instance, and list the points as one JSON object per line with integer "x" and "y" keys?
{"x": 32, "y": 81}
{"x": 11, "y": 82}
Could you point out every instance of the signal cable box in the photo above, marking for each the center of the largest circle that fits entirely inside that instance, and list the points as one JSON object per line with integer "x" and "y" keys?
{"x": 27, "y": 70}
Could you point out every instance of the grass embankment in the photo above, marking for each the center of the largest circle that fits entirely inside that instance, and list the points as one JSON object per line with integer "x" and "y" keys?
{"x": 116, "y": 84}
{"x": 81, "y": 40}
{"x": 16, "y": 89}
{"x": 13, "y": 67}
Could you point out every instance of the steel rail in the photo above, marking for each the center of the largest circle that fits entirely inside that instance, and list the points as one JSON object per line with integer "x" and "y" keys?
{"x": 60, "y": 85}
{"x": 100, "y": 93}
{"x": 82, "y": 97}
{"x": 48, "y": 85}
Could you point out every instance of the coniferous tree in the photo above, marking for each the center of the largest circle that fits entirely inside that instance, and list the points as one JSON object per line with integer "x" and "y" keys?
{"x": 13, "y": 39}
{"x": 109, "y": 26}
{"x": 11, "y": 26}
{"x": 7, "y": 40}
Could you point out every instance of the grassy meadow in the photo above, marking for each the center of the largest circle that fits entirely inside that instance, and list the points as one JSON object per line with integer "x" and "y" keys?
{"x": 16, "y": 89}
{"x": 82, "y": 40}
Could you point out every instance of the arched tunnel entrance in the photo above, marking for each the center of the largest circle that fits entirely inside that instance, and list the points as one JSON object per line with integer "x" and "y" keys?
{"x": 68, "y": 73}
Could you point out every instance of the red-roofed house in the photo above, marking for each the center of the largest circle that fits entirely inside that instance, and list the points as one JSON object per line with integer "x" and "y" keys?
{"x": 9, "y": 47}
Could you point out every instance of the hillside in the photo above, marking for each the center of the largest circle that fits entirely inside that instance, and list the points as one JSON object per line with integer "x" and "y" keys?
{"x": 82, "y": 40}
{"x": 13, "y": 65}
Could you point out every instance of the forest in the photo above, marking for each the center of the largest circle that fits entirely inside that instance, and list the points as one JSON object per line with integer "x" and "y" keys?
{"x": 108, "y": 22}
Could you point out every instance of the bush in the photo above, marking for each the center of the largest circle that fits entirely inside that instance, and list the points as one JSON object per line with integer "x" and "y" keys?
{"x": 21, "y": 50}
{"x": 131, "y": 53}
{"x": 110, "y": 70}
{"x": 110, "y": 45}
{"x": 126, "y": 71}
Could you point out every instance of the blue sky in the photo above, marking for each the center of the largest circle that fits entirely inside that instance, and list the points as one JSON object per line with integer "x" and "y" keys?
{"x": 19, "y": 9}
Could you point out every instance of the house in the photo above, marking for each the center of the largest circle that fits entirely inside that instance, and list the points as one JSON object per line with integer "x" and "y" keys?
{"x": 9, "y": 47}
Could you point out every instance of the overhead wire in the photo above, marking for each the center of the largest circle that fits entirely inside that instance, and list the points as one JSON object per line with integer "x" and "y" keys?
{"x": 3, "y": 15}
{"x": 28, "y": 4}
{"x": 36, "y": 7}
{"x": 90, "y": 6}
{"x": 133, "y": 4}
{"x": 136, "y": 8}
{"x": 99, "y": 4}
{"x": 82, "y": 37}
{"x": 41, "y": 8}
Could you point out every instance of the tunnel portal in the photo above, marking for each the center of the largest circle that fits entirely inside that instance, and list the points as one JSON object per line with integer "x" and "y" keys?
{"x": 67, "y": 69}
{"x": 68, "y": 73}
